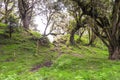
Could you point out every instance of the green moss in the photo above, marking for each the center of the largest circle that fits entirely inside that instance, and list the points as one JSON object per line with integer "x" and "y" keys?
{"x": 36, "y": 34}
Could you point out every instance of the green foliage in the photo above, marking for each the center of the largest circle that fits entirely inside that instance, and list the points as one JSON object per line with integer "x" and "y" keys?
{"x": 76, "y": 37}
{"x": 72, "y": 25}
{"x": 12, "y": 19}
{"x": 10, "y": 27}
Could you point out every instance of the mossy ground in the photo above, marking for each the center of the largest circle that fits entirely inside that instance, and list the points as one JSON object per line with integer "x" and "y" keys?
{"x": 18, "y": 56}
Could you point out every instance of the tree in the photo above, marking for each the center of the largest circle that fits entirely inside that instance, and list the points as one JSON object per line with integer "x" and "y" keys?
{"x": 92, "y": 37}
{"x": 77, "y": 21}
{"x": 6, "y": 8}
{"x": 106, "y": 26}
{"x": 52, "y": 17}
{"x": 12, "y": 24}
{"x": 47, "y": 11}
{"x": 26, "y": 11}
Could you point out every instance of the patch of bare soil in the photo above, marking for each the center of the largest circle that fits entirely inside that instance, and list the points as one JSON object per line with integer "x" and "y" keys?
{"x": 76, "y": 55}
{"x": 9, "y": 60}
{"x": 38, "y": 66}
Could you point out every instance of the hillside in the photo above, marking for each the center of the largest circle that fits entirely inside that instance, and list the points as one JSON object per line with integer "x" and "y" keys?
{"x": 20, "y": 60}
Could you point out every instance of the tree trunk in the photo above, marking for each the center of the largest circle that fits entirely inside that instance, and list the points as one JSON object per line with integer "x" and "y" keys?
{"x": 25, "y": 11}
{"x": 92, "y": 39}
{"x": 72, "y": 42}
{"x": 26, "y": 23}
{"x": 10, "y": 31}
{"x": 114, "y": 53}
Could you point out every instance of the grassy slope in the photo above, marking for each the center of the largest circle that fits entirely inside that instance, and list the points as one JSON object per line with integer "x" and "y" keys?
{"x": 18, "y": 56}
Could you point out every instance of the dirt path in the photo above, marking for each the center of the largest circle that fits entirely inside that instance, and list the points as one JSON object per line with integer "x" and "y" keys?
{"x": 38, "y": 66}
{"x": 58, "y": 49}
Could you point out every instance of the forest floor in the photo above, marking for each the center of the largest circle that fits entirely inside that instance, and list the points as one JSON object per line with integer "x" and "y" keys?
{"x": 19, "y": 60}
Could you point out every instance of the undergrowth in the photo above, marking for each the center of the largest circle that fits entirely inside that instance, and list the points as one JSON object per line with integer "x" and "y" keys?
{"x": 18, "y": 56}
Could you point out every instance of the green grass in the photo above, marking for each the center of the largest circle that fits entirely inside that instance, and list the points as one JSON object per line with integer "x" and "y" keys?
{"x": 3, "y": 25}
{"x": 18, "y": 56}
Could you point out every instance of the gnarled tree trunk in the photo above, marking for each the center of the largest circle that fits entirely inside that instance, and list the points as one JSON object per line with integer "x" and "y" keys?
{"x": 92, "y": 37}
{"x": 72, "y": 42}
{"x": 114, "y": 53}
{"x": 110, "y": 26}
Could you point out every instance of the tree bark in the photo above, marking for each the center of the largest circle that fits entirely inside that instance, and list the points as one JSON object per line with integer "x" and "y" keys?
{"x": 114, "y": 53}
{"x": 72, "y": 42}
{"x": 26, "y": 23}
{"x": 110, "y": 26}
{"x": 26, "y": 10}
{"x": 92, "y": 38}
